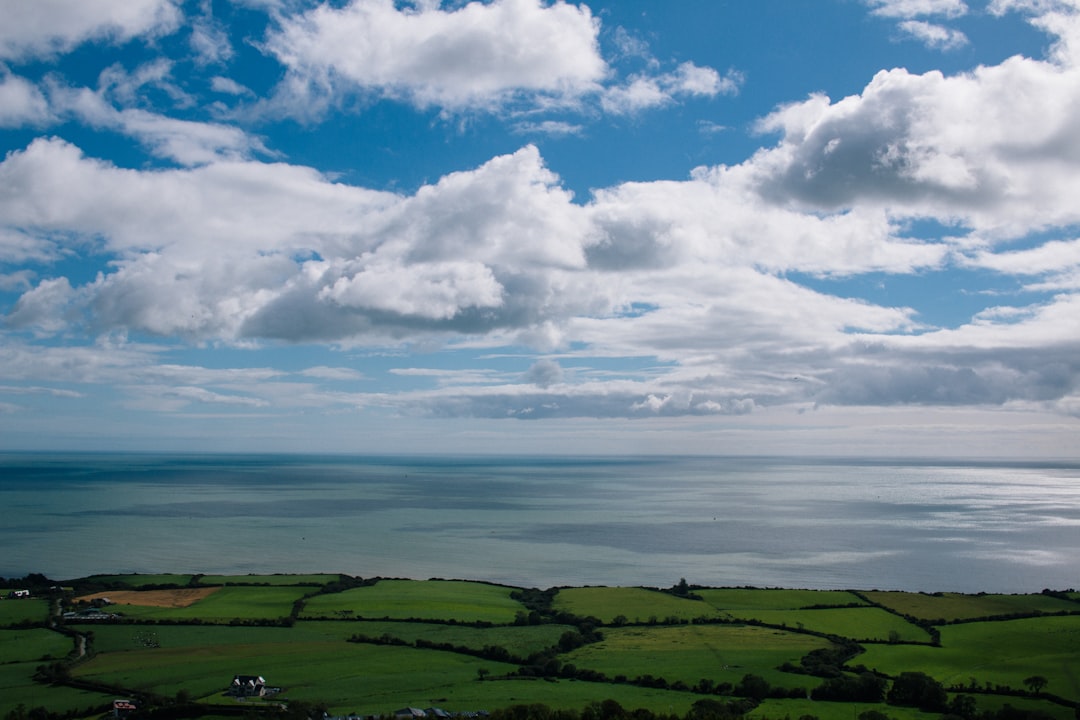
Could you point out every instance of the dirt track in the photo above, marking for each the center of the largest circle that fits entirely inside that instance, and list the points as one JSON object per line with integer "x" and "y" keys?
{"x": 181, "y": 597}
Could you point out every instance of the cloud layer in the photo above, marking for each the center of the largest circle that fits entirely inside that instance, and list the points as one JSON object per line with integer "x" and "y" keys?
{"x": 698, "y": 297}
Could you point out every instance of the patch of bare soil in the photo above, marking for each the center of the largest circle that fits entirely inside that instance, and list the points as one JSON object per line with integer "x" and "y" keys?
{"x": 180, "y": 597}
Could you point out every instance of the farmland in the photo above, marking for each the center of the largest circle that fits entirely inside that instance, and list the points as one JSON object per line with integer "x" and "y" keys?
{"x": 371, "y": 646}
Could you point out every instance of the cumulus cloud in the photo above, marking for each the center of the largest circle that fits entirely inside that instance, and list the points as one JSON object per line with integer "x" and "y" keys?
{"x": 476, "y": 55}
{"x": 48, "y": 27}
{"x": 698, "y": 284}
{"x": 940, "y": 146}
{"x": 21, "y": 102}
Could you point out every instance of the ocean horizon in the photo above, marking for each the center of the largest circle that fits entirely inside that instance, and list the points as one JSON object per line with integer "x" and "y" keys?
{"x": 917, "y": 525}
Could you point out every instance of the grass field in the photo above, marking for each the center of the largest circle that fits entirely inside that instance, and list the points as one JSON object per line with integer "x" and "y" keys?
{"x": 317, "y": 580}
{"x": 862, "y": 623}
{"x": 23, "y": 610}
{"x": 421, "y": 600}
{"x": 722, "y": 653}
{"x": 17, "y": 687}
{"x": 1001, "y": 653}
{"x": 33, "y": 644}
{"x": 637, "y": 605}
{"x": 159, "y": 650}
{"x": 739, "y": 600}
{"x": 227, "y": 603}
{"x": 521, "y": 641}
{"x": 137, "y": 581}
{"x": 954, "y": 606}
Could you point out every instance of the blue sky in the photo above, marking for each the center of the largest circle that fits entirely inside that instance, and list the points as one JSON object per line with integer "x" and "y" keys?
{"x": 845, "y": 227}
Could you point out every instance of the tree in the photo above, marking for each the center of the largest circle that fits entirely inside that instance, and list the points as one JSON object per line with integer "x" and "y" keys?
{"x": 753, "y": 686}
{"x": 916, "y": 689}
{"x": 482, "y": 673}
{"x": 1036, "y": 683}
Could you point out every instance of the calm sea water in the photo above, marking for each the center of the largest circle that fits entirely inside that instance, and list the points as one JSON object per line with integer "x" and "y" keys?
{"x": 543, "y": 522}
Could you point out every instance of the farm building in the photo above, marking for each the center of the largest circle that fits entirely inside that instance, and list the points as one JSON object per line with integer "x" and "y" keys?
{"x": 247, "y": 686}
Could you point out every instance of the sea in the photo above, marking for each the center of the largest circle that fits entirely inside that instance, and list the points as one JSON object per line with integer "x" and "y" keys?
{"x": 543, "y": 522}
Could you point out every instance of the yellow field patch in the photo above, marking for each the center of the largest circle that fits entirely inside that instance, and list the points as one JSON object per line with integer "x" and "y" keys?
{"x": 177, "y": 598}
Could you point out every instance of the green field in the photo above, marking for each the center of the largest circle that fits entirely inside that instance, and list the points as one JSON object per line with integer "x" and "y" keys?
{"x": 17, "y": 687}
{"x": 138, "y": 581}
{"x": 23, "y": 610}
{"x": 739, "y": 600}
{"x": 317, "y": 580}
{"x": 228, "y": 603}
{"x": 636, "y": 605}
{"x": 33, "y": 644}
{"x": 425, "y": 644}
{"x": 419, "y": 600}
{"x": 689, "y": 653}
{"x": 954, "y": 606}
{"x": 861, "y": 623}
{"x": 1000, "y": 653}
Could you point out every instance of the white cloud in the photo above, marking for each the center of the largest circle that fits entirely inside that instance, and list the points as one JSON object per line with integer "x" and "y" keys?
{"x": 228, "y": 86}
{"x": 917, "y": 8}
{"x": 934, "y": 36}
{"x": 474, "y": 56}
{"x": 47, "y": 27}
{"x": 956, "y": 148}
{"x": 21, "y": 102}
{"x": 686, "y": 282}
{"x": 642, "y": 92}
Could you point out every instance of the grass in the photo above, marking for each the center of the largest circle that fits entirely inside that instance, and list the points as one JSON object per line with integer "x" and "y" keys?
{"x": 999, "y": 653}
{"x": 17, "y": 687}
{"x": 137, "y": 580}
{"x": 228, "y": 603}
{"x": 521, "y": 641}
{"x": 33, "y": 644}
{"x": 779, "y": 709}
{"x": 419, "y": 600}
{"x": 277, "y": 579}
{"x": 23, "y": 610}
{"x": 637, "y": 605}
{"x": 955, "y": 606}
{"x": 863, "y": 623}
{"x": 738, "y": 600}
{"x": 722, "y": 653}
{"x": 313, "y": 661}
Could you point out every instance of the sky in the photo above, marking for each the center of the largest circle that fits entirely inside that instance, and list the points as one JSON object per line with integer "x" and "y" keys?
{"x": 839, "y": 227}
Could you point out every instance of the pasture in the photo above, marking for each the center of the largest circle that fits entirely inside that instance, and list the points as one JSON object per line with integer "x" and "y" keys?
{"x": 738, "y": 601}
{"x": 317, "y": 580}
{"x": 998, "y": 653}
{"x": 33, "y": 644}
{"x": 862, "y": 623}
{"x": 136, "y": 580}
{"x": 17, "y": 687}
{"x": 23, "y": 610}
{"x": 456, "y": 600}
{"x": 949, "y": 607}
{"x": 195, "y": 638}
{"x": 689, "y": 653}
{"x": 636, "y": 605}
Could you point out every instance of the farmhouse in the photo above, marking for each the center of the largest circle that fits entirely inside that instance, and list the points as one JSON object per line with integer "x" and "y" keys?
{"x": 410, "y": 712}
{"x": 15, "y": 594}
{"x": 123, "y": 707}
{"x": 247, "y": 686}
